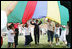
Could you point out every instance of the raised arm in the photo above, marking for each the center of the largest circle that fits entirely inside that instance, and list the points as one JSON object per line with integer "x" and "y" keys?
{"x": 40, "y": 23}
{"x": 32, "y": 23}
{"x": 14, "y": 33}
{"x": 63, "y": 26}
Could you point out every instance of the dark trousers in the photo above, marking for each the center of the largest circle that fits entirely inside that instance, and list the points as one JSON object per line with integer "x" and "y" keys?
{"x": 50, "y": 36}
{"x": 60, "y": 31}
{"x": 16, "y": 37}
{"x": 68, "y": 38}
{"x": 28, "y": 39}
{"x": 36, "y": 37}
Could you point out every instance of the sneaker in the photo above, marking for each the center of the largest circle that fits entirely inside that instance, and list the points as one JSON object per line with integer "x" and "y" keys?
{"x": 56, "y": 43}
{"x": 65, "y": 43}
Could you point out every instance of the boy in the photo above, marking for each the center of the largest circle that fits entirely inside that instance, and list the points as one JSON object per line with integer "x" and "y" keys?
{"x": 11, "y": 35}
{"x": 28, "y": 38}
{"x": 57, "y": 34}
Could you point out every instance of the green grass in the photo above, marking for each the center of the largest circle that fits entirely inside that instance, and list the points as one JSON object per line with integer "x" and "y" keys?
{"x": 43, "y": 43}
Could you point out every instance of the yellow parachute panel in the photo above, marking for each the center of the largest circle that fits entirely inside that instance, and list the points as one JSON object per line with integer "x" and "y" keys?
{"x": 53, "y": 12}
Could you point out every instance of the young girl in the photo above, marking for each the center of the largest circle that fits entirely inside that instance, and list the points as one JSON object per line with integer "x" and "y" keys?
{"x": 11, "y": 35}
{"x": 57, "y": 34}
{"x": 28, "y": 38}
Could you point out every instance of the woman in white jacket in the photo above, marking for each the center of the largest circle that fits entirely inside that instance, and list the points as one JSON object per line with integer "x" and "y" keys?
{"x": 63, "y": 35}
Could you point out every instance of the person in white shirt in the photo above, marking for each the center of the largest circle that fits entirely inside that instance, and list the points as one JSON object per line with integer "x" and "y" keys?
{"x": 57, "y": 34}
{"x": 11, "y": 35}
{"x": 28, "y": 38}
{"x": 63, "y": 35}
{"x": 50, "y": 32}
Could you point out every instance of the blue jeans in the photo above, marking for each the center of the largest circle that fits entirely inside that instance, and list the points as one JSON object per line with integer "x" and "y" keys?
{"x": 50, "y": 36}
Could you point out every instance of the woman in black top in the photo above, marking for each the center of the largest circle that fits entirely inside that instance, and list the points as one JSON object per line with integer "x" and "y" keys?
{"x": 36, "y": 31}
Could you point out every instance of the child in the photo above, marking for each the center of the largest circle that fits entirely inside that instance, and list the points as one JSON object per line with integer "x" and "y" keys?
{"x": 16, "y": 34}
{"x": 28, "y": 38}
{"x": 11, "y": 35}
{"x": 57, "y": 34}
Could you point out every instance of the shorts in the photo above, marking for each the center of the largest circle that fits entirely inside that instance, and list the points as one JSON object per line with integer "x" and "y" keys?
{"x": 56, "y": 36}
{"x": 10, "y": 43}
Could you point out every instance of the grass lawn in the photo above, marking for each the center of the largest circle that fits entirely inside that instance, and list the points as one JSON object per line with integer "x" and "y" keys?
{"x": 43, "y": 43}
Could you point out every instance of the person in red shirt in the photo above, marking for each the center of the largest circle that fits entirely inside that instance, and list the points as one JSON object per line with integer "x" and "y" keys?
{"x": 16, "y": 25}
{"x": 16, "y": 35}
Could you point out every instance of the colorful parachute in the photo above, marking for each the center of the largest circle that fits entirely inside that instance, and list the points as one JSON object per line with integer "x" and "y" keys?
{"x": 26, "y": 10}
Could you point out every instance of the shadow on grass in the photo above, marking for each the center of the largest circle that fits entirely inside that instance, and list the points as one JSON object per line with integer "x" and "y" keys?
{"x": 43, "y": 43}
{"x": 41, "y": 46}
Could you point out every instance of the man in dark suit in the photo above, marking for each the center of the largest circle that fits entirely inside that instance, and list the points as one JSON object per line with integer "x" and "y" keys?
{"x": 36, "y": 31}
